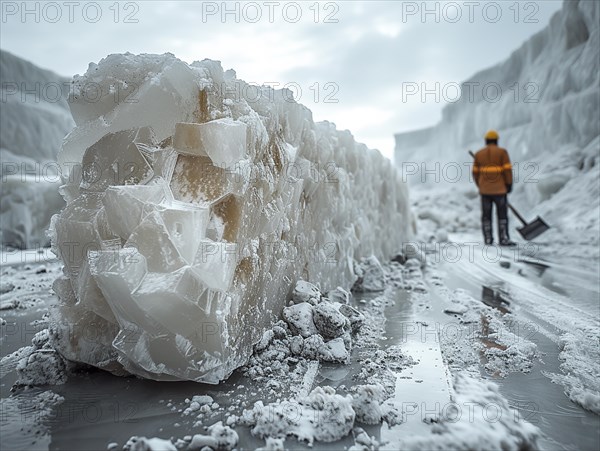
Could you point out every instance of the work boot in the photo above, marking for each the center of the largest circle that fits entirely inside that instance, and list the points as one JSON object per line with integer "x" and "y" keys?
{"x": 503, "y": 233}
{"x": 488, "y": 236}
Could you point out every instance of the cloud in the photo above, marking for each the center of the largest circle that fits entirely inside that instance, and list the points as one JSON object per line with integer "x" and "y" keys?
{"x": 366, "y": 51}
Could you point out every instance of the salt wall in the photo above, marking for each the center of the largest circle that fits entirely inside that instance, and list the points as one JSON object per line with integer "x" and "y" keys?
{"x": 194, "y": 203}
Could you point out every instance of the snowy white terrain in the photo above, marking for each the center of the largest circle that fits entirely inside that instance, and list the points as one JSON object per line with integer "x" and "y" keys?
{"x": 35, "y": 118}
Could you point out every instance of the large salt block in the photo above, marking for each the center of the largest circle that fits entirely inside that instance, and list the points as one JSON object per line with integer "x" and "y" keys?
{"x": 230, "y": 202}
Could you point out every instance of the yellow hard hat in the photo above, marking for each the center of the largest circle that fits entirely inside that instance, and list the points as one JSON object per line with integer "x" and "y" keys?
{"x": 492, "y": 134}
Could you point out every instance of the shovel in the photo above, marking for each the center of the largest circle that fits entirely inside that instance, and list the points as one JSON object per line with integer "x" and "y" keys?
{"x": 529, "y": 231}
{"x": 532, "y": 230}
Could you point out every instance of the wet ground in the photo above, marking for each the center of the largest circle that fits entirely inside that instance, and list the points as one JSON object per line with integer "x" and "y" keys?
{"x": 100, "y": 408}
{"x": 529, "y": 285}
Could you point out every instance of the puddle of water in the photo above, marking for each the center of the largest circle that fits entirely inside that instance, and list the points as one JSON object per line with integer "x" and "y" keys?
{"x": 423, "y": 390}
{"x": 20, "y": 427}
{"x": 543, "y": 403}
{"x": 495, "y": 298}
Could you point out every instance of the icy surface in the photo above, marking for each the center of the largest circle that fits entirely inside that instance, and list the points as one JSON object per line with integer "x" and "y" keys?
{"x": 191, "y": 213}
{"x": 280, "y": 377}
{"x": 36, "y": 118}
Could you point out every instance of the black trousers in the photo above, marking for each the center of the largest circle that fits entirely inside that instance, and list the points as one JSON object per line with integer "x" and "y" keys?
{"x": 487, "y": 201}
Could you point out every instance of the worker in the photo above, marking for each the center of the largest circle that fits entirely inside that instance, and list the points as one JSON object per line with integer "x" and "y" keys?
{"x": 492, "y": 172}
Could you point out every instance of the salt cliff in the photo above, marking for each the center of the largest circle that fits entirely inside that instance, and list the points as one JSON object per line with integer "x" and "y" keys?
{"x": 35, "y": 118}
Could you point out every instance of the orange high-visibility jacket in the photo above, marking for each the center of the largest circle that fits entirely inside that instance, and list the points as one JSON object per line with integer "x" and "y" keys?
{"x": 492, "y": 170}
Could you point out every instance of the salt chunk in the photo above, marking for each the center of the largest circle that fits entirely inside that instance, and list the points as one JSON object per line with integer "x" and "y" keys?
{"x": 371, "y": 275}
{"x": 148, "y": 444}
{"x": 313, "y": 347}
{"x": 367, "y": 403}
{"x": 300, "y": 319}
{"x": 356, "y": 318}
{"x": 133, "y": 199}
{"x": 226, "y": 437}
{"x": 222, "y": 140}
{"x": 334, "y": 351}
{"x": 339, "y": 295}
{"x": 306, "y": 292}
{"x": 329, "y": 321}
{"x": 224, "y": 204}
{"x": 221, "y": 437}
{"x": 114, "y": 160}
{"x": 152, "y": 239}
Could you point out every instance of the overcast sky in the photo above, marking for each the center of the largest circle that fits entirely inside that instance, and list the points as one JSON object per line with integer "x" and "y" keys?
{"x": 350, "y": 62}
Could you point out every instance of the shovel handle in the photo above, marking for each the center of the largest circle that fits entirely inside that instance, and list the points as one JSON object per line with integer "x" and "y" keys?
{"x": 513, "y": 209}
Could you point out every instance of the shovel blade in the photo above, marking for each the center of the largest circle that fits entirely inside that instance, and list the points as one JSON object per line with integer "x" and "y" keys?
{"x": 534, "y": 229}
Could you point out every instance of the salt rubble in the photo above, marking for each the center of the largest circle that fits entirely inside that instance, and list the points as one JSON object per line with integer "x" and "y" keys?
{"x": 219, "y": 437}
{"x": 193, "y": 205}
{"x": 136, "y": 443}
{"x": 324, "y": 414}
{"x": 36, "y": 365}
{"x": 323, "y": 331}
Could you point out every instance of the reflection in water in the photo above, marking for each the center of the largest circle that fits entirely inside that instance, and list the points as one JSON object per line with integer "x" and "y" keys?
{"x": 495, "y": 297}
{"x": 539, "y": 267}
